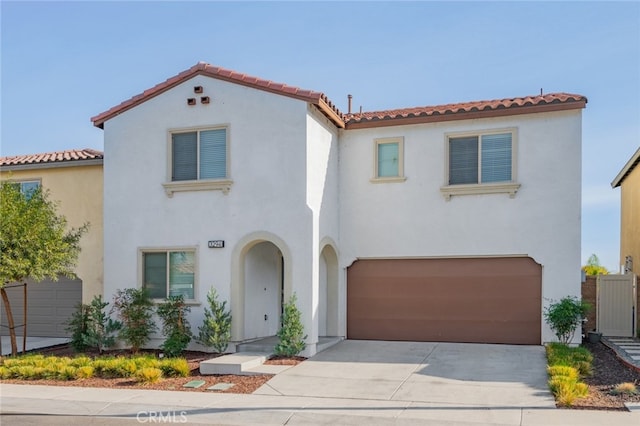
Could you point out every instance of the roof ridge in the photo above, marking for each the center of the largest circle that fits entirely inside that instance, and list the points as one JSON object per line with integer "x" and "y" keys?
{"x": 225, "y": 74}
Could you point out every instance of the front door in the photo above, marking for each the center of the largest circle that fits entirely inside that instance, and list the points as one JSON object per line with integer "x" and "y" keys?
{"x": 263, "y": 290}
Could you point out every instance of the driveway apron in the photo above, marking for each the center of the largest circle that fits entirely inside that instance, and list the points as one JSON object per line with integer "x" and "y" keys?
{"x": 443, "y": 374}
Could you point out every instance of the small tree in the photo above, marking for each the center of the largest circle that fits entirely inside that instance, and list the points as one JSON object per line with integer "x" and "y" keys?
{"x": 92, "y": 327}
{"x": 215, "y": 331}
{"x": 291, "y": 332}
{"x": 175, "y": 326}
{"x": 34, "y": 242}
{"x": 78, "y": 325}
{"x": 134, "y": 309}
{"x": 564, "y": 317}
{"x": 593, "y": 266}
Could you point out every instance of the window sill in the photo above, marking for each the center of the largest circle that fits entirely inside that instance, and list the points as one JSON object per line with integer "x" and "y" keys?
{"x": 391, "y": 179}
{"x": 223, "y": 185}
{"x": 189, "y": 302}
{"x": 489, "y": 188}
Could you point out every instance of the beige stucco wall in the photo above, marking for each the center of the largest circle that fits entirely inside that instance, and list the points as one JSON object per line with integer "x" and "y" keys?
{"x": 630, "y": 219}
{"x": 78, "y": 191}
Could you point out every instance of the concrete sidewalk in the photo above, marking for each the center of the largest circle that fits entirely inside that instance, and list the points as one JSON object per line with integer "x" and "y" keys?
{"x": 111, "y": 406}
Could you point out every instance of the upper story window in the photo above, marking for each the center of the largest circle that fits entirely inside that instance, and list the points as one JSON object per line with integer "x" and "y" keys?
{"x": 481, "y": 162}
{"x": 169, "y": 273}
{"x": 389, "y": 160}
{"x": 28, "y": 187}
{"x": 199, "y": 155}
{"x": 198, "y": 160}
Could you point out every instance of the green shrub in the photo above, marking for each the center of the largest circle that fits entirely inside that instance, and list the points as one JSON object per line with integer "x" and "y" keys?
{"x": 85, "y": 372}
{"x": 67, "y": 373}
{"x": 577, "y": 357}
{"x": 101, "y": 327}
{"x": 78, "y": 325}
{"x": 134, "y": 309}
{"x": 564, "y": 317}
{"x": 175, "y": 326}
{"x": 175, "y": 367}
{"x": 215, "y": 331}
{"x": 564, "y": 371}
{"x": 146, "y": 361}
{"x": 148, "y": 375}
{"x": 291, "y": 332}
{"x": 5, "y": 373}
{"x": 566, "y": 390}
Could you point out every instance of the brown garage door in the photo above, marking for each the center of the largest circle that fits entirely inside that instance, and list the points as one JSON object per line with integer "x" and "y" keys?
{"x": 481, "y": 300}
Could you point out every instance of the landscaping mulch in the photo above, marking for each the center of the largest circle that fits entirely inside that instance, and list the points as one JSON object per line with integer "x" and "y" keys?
{"x": 241, "y": 384}
{"x": 608, "y": 371}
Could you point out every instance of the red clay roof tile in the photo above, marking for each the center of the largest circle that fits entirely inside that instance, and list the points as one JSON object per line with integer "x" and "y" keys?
{"x": 457, "y": 111}
{"x": 52, "y": 157}
{"x": 202, "y": 68}
{"x": 466, "y": 107}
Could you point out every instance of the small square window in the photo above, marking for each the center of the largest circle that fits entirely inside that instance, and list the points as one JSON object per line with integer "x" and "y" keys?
{"x": 28, "y": 187}
{"x": 389, "y": 162}
{"x": 199, "y": 155}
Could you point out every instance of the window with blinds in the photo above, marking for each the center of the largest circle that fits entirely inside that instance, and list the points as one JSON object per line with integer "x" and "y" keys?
{"x": 483, "y": 158}
{"x": 199, "y": 155}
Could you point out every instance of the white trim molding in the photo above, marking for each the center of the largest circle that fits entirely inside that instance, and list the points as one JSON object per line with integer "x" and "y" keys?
{"x": 473, "y": 189}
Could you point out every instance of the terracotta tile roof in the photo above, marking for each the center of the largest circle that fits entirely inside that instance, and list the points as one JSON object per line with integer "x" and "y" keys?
{"x": 466, "y": 110}
{"x": 52, "y": 157}
{"x": 458, "y": 111}
{"x": 202, "y": 68}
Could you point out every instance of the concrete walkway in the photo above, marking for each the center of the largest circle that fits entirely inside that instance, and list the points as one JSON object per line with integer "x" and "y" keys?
{"x": 353, "y": 383}
{"x": 626, "y": 348}
{"x": 111, "y": 406}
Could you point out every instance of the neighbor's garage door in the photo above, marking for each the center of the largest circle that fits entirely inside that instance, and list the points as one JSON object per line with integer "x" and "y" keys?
{"x": 49, "y": 307}
{"x": 482, "y": 300}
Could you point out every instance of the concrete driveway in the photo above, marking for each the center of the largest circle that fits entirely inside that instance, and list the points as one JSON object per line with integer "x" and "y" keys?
{"x": 454, "y": 375}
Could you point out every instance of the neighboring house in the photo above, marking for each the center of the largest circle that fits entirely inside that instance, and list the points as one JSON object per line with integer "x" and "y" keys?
{"x": 448, "y": 223}
{"x": 74, "y": 180}
{"x": 629, "y": 182}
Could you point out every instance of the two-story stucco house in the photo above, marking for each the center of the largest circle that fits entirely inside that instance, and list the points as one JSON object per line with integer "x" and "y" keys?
{"x": 447, "y": 223}
{"x": 74, "y": 180}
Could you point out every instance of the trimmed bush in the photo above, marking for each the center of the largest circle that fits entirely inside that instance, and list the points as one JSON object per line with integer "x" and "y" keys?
{"x": 175, "y": 367}
{"x": 215, "y": 331}
{"x": 148, "y": 375}
{"x": 291, "y": 332}
{"x": 175, "y": 326}
{"x": 85, "y": 372}
{"x": 564, "y": 317}
{"x": 134, "y": 309}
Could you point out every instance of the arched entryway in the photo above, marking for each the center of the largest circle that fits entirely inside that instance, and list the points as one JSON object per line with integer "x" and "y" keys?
{"x": 328, "y": 292}
{"x": 261, "y": 274}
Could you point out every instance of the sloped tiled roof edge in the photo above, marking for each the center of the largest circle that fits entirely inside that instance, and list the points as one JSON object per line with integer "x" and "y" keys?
{"x": 627, "y": 169}
{"x": 72, "y": 157}
{"x": 466, "y": 110}
{"x": 201, "y": 68}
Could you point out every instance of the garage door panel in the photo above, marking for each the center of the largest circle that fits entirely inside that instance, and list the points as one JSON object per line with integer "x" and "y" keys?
{"x": 492, "y": 300}
{"x": 50, "y": 306}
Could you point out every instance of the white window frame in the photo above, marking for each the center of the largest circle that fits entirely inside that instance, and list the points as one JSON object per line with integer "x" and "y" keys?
{"x": 221, "y": 184}
{"x": 509, "y": 187}
{"x": 388, "y": 179}
{"x": 194, "y": 249}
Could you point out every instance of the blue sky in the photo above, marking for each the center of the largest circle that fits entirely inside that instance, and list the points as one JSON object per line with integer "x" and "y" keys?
{"x": 64, "y": 62}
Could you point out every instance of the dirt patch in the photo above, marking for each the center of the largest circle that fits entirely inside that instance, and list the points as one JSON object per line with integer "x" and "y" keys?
{"x": 242, "y": 384}
{"x": 608, "y": 371}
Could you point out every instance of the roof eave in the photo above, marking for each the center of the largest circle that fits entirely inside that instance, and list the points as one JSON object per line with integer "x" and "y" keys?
{"x": 628, "y": 168}
{"x": 453, "y": 116}
{"x": 53, "y": 164}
